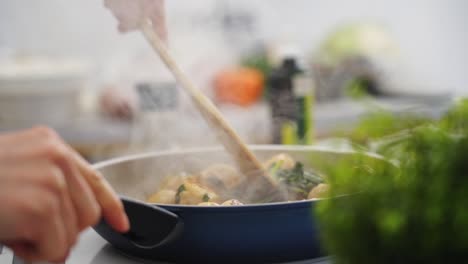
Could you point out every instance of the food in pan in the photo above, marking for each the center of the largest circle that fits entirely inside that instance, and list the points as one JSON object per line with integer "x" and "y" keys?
{"x": 223, "y": 185}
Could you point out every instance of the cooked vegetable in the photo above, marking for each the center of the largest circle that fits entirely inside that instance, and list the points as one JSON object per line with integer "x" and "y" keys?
{"x": 174, "y": 181}
{"x": 179, "y": 192}
{"x": 297, "y": 180}
{"x": 280, "y": 161}
{"x": 192, "y": 193}
{"x": 222, "y": 182}
{"x": 221, "y": 177}
{"x": 163, "y": 197}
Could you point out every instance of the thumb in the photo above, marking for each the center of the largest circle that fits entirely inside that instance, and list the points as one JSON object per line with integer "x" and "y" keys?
{"x": 157, "y": 16}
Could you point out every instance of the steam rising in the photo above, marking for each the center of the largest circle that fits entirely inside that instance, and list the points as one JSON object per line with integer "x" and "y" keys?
{"x": 184, "y": 127}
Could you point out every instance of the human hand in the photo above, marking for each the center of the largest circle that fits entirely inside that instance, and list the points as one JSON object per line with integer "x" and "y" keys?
{"x": 130, "y": 14}
{"x": 49, "y": 194}
{"x": 119, "y": 103}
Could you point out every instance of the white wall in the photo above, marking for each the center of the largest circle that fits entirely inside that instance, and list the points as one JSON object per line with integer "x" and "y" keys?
{"x": 433, "y": 34}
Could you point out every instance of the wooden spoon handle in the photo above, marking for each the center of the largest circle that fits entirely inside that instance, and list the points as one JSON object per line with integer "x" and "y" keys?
{"x": 245, "y": 159}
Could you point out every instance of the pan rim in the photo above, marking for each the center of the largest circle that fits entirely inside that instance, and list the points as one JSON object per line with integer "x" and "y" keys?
{"x": 150, "y": 154}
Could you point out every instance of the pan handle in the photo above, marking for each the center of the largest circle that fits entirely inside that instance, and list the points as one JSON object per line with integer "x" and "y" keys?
{"x": 150, "y": 226}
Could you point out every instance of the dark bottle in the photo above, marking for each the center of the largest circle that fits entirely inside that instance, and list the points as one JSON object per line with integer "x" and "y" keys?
{"x": 291, "y": 98}
{"x": 281, "y": 98}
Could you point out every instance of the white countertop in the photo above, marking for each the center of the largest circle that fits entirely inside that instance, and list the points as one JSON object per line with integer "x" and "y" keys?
{"x": 92, "y": 249}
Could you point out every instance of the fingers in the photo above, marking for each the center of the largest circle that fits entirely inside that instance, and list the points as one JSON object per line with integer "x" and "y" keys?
{"x": 81, "y": 208}
{"x": 112, "y": 207}
{"x": 10, "y": 142}
{"x": 120, "y": 103}
{"x": 157, "y": 15}
{"x": 46, "y": 177}
{"x": 130, "y": 14}
{"x": 26, "y": 251}
{"x": 82, "y": 196}
{"x": 23, "y": 250}
{"x": 107, "y": 3}
{"x": 70, "y": 219}
{"x": 72, "y": 196}
{"x": 89, "y": 191}
{"x": 110, "y": 204}
{"x": 127, "y": 13}
{"x": 38, "y": 229}
{"x": 52, "y": 242}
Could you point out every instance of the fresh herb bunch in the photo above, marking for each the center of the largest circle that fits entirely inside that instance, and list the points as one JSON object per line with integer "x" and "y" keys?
{"x": 380, "y": 123}
{"x": 297, "y": 180}
{"x": 456, "y": 119}
{"x": 416, "y": 212}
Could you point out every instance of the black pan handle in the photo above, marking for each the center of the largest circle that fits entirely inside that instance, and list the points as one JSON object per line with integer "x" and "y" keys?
{"x": 150, "y": 226}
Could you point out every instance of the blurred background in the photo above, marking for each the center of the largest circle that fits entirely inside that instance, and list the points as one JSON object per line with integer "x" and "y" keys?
{"x": 287, "y": 72}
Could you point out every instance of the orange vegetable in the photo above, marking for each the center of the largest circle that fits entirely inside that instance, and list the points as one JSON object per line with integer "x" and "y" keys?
{"x": 241, "y": 86}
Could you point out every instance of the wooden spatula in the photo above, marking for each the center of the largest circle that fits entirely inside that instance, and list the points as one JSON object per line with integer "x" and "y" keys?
{"x": 246, "y": 162}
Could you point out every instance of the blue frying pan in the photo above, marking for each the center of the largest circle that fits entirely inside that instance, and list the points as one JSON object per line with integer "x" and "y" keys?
{"x": 261, "y": 233}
